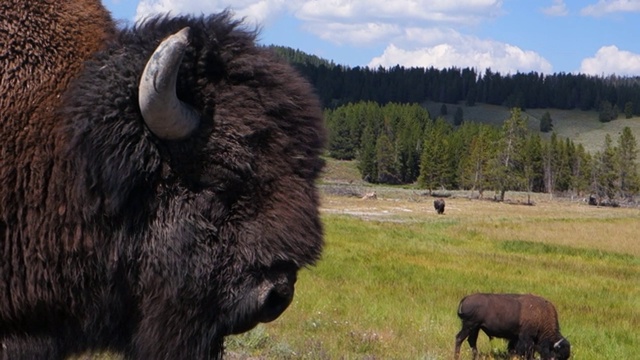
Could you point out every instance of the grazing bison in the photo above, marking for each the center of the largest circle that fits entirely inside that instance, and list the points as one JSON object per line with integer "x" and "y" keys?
{"x": 438, "y": 204}
{"x": 529, "y": 322}
{"x": 157, "y": 183}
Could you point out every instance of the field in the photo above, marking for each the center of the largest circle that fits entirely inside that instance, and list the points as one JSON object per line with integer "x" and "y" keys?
{"x": 393, "y": 272}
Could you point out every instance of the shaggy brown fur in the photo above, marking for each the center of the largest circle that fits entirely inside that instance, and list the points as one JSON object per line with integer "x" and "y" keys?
{"x": 111, "y": 238}
{"x": 439, "y": 204}
{"x": 529, "y": 322}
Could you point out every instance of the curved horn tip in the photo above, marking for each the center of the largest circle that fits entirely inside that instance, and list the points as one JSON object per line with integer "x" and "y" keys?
{"x": 165, "y": 115}
{"x": 183, "y": 34}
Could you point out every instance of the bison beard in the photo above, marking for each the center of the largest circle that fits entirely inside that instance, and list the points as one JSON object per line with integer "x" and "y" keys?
{"x": 148, "y": 207}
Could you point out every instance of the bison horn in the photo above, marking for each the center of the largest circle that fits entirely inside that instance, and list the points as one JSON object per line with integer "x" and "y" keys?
{"x": 165, "y": 115}
{"x": 555, "y": 346}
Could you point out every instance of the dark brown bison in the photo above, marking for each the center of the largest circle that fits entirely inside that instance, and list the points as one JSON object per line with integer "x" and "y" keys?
{"x": 438, "y": 204}
{"x": 157, "y": 183}
{"x": 528, "y": 322}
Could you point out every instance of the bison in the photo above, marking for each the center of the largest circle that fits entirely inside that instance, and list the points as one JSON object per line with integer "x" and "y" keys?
{"x": 438, "y": 204}
{"x": 528, "y": 322}
{"x": 157, "y": 182}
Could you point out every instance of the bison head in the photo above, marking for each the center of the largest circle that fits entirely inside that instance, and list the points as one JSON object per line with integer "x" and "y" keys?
{"x": 196, "y": 154}
{"x": 562, "y": 349}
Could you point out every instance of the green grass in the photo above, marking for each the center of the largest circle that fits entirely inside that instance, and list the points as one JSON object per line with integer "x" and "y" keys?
{"x": 389, "y": 288}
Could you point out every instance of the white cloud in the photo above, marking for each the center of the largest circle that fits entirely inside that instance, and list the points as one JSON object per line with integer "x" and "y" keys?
{"x": 359, "y": 33}
{"x": 399, "y": 11}
{"x": 611, "y": 60}
{"x": 255, "y": 11}
{"x": 318, "y": 12}
{"x": 603, "y": 7}
{"x": 464, "y": 51}
{"x": 411, "y": 30}
{"x": 559, "y": 8}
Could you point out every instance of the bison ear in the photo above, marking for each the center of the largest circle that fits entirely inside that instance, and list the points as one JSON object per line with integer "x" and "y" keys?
{"x": 165, "y": 115}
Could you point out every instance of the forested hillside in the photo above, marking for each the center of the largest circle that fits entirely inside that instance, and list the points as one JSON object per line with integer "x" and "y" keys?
{"x": 338, "y": 85}
{"x": 378, "y": 118}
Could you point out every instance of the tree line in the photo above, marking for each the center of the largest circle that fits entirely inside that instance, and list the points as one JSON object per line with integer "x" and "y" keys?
{"x": 401, "y": 143}
{"x": 339, "y": 85}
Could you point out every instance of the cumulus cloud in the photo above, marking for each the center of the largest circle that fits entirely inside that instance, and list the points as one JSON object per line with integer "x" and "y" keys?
{"x": 559, "y": 8}
{"x": 415, "y": 32}
{"x": 316, "y": 13}
{"x": 611, "y": 60}
{"x": 461, "y": 51}
{"x": 461, "y": 12}
{"x": 254, "y": 11}
{"x": 349, "y": 34}
{"x": 603, "y": 7}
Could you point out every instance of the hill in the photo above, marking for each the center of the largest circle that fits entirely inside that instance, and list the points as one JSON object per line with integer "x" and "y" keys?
{"x": 565, "y": 96}
{"x": 582, "y": 127}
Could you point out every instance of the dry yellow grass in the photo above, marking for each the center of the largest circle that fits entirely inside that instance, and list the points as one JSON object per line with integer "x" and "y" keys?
{"x": 560, "y": 222}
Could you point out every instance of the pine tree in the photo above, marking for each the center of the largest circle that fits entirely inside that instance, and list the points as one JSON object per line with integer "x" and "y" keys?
{"x": 532, "y": 164}
{"x": 475, "y": 167}
{"x": 628, "y": 110}
{"x": 627, "y": 154}
{"x": 563, "y": 169}
{"x": 435, "y": 164}
{"x": 458, "y": 118}
{"x": 581, "y": 170}
{"x": 604, "y": 175}
{"x": 385, "y": 160}
{"x": 507, "y": 170}
{"x": 607, "y": 112}
{"x": 342, "y": 141}
{"x": 546, "y": 124}
{"x": 409, "y": 141}
{"x": 551, "y": 155}
{"x": 367, "y": 162}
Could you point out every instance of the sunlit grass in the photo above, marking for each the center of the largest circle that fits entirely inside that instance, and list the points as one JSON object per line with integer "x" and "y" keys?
{"x": 393, "y": 272}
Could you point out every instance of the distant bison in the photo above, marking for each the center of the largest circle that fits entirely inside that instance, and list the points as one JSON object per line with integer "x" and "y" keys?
{"x": 529, "y": 322}
{"x": 438, "y": 204}
{"x": 157, "y": 186}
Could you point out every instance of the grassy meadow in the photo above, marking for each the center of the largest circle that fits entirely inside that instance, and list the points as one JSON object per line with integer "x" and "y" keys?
{"x": 393, "y": 272}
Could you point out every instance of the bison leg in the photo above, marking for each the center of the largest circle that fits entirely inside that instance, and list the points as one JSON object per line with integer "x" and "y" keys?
{"x": 460, "y": 337}
{"x": 473, "y": 339}
{"x": 515, "y": 348}
{"x": 544, "y": 348}
{"x": 524, "y": 347}
{"x": 30, "y": 348}
{"x": 470, "y": 333}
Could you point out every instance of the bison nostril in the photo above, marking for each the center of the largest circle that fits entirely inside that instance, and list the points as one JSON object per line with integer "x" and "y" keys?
{"x": 276, "y": 296}
{"x": 276, "y": 302}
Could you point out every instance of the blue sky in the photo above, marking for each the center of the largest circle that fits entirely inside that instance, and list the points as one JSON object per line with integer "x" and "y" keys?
{"x": 598, "y": 37}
